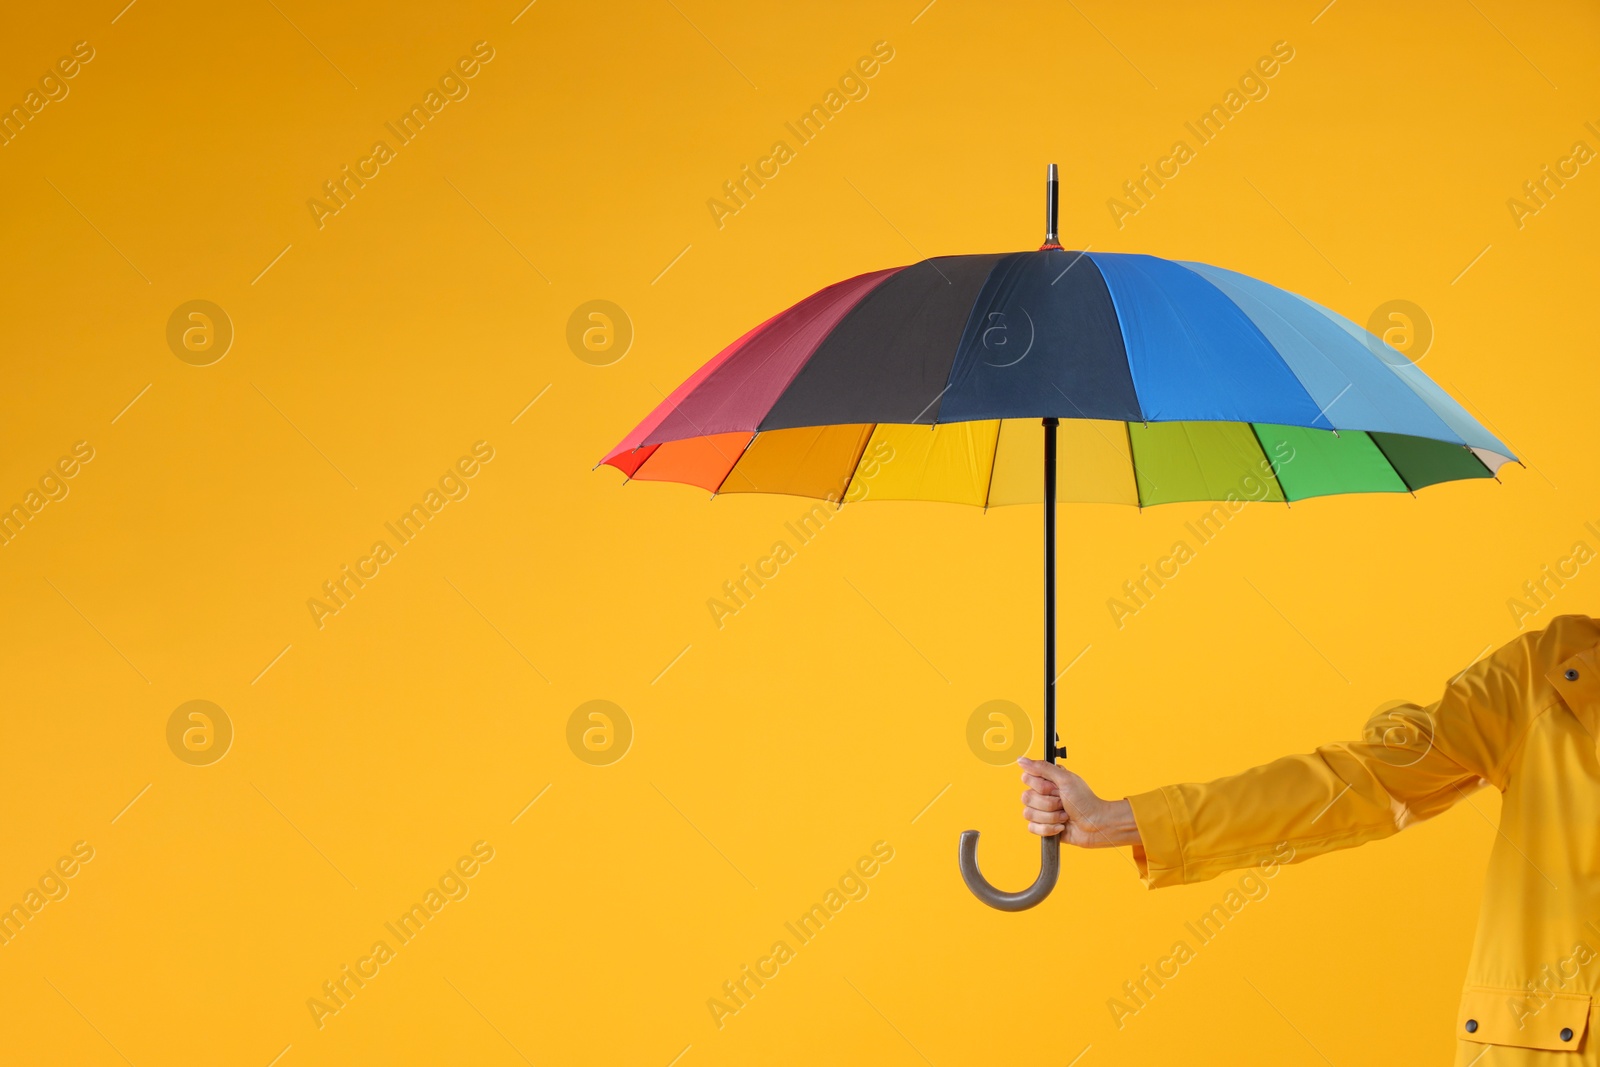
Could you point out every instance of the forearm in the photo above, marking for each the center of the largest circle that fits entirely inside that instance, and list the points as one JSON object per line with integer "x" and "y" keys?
{"x": 1410, "y": 764}
{"x": 1290, "y": 809}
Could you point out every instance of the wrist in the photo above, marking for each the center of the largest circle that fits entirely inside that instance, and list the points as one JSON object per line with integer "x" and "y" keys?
{"x": 1115, "y": 820}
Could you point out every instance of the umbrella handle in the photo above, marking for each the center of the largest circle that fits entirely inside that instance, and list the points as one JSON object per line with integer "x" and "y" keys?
{"x": 1049, "y": 869}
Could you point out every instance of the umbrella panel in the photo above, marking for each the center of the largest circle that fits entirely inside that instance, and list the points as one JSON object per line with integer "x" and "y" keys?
{"x": 997, "y": 462}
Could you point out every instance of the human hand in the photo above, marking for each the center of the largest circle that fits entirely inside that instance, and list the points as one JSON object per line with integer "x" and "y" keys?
{"x": 1059, "y": 802}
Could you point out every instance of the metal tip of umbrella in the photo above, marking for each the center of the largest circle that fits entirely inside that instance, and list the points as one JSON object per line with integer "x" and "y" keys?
{"x": 1052, "y": 242}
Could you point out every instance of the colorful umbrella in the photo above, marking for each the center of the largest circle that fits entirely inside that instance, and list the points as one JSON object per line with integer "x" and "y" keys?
{"x": 1058, "y": 376}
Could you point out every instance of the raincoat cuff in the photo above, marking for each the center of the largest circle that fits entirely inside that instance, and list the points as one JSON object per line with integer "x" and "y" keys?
{"x": 1159, "y": 856}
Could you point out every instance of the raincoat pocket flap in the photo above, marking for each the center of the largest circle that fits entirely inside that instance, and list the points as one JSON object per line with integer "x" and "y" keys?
{"x": 1555, "y": 1022}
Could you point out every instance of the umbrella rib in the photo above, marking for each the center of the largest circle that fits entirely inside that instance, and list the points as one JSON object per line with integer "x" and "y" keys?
{"x": 855, "y": 461}
{"x": 1133, "y": 467}
{"x": 1385, "y": 454}
{"x": 725, "y": 474}
{"x": 656, "y": 449}
{"x": 994, "y": 461}
{"x": 1272, "y": 472}
{"x": 855, "y": 467}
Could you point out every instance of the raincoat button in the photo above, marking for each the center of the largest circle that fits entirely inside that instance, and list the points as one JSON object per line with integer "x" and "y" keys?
{"x": 1566, "y": 1034}
{"x": 1571, "y": 675}
{"x": 1472, "y": 1026}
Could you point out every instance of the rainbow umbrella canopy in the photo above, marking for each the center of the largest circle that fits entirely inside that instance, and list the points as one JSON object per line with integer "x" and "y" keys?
{"x": 1020, "y": 377}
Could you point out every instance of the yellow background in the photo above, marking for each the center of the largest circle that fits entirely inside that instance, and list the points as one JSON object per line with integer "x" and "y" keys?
{"x": 827, "y": 714}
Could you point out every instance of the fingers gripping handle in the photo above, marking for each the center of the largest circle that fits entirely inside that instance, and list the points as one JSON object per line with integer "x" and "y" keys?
{"x": 1049, "y": 869}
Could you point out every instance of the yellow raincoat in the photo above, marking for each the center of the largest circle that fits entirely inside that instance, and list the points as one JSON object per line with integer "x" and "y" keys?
{"x": 1524, "y": 720}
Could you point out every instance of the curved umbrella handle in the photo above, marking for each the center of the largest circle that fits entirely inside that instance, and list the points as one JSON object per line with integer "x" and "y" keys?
{"x": 1049, "y": 869}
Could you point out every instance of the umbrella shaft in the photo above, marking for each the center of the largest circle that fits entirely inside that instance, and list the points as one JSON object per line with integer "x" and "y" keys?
{"x": 1050, "y": 590}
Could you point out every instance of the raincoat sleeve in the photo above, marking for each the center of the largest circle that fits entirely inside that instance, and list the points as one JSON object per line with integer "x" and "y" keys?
{"x": 1411, "y": 763}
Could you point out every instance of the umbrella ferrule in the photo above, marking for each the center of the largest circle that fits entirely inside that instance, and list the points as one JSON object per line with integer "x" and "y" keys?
{"x": 1051, "y": 211}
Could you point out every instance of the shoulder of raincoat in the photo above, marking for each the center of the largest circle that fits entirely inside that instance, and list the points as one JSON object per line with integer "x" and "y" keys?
{"x": 1524, "y": 720}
